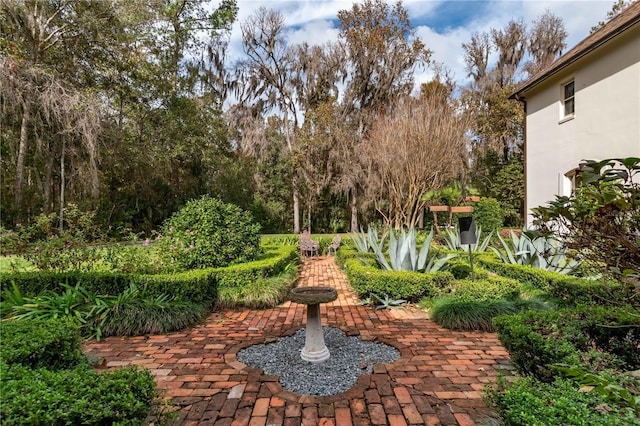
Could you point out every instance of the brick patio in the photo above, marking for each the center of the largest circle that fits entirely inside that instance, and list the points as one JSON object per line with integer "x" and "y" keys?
{"x": 438, "y": 379}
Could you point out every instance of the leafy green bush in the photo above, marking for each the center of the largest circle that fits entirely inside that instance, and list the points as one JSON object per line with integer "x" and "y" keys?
{"x": 52, "y": 343}
{"x": 527, "y": 402}
{"x": 487, "y": 214}
{"x": 601, "y": 221}
{"x": 209, "y": 233}
{"x": 411, "y": 286}
{"x": 76, "y": 396}
{"x": 536, "y": 340}
{"x": 487, "y": 288}
{"x": 568, "y": 290}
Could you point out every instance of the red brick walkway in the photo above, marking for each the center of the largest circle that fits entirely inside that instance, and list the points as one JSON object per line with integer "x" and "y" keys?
{"x": 437, "y": 381}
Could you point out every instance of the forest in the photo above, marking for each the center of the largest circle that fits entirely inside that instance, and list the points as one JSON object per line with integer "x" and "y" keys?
{"x": 129, "y": 109}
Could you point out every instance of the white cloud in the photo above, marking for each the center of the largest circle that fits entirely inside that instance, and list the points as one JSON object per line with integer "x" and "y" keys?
{"x": 314, "y": 21}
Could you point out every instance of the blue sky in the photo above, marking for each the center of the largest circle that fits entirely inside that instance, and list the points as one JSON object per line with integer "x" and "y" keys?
{"x": 442, "y": 25}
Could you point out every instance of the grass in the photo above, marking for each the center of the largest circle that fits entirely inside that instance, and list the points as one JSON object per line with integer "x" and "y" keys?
{"x": 466, "y": 314}
{"x": 259, "y": 294}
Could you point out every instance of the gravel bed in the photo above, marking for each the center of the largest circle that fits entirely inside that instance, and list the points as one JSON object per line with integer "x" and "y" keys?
{"x": 350, "y": 357}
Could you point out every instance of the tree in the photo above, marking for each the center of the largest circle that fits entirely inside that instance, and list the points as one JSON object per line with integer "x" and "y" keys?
{"x": 383, "y": 53}
{"x": 266, "y": 78}
{"x": 497, "y": 121}
{"x": 62, "y": 118}
{"x": 617, "y": 7}
{"x": 419, "y": 146}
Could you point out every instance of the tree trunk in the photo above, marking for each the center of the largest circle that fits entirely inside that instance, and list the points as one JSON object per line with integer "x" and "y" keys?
{"x": 61, "y": 226}
{"x": 296, "y": 208}
{"x": 22, "y": 155}
{"x": 354, "y": 214}
{"x": 48, "y": 183}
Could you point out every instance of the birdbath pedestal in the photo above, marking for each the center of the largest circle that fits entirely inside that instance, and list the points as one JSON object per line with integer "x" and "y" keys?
{"x": 315, "y": 350}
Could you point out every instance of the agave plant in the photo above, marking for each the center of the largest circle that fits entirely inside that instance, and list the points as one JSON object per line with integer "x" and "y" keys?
{"x": 403, "y": 253}
{"x": 365, "y": 243}
{"x": 537, "y": 251}
{"x": 452, "y": 238}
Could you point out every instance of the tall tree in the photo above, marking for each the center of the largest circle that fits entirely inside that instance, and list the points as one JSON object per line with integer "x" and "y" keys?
{"x": 418, "y": 146}
{"x": 383, "y": 53}
{"x": 497, "y": 122}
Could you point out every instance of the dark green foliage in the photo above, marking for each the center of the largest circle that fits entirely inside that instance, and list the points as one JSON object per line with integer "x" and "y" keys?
{"x": 568, "y": 290}
{"x": 486, "y": 288}
{"x": 33, "y": 283}
{"x": 75, "y": 396}
{"x": 198, "y": 286}
{"x": 488, "y": 215}
{"x": 536, "y": 340}
{"x": 151, "y": 316}
{"x": 470, "y": 314}
{"x": 262, "y": 293}
{"x": 601, "y": 221}
{"x": 527, "y": 402}
{"x": 52, "y": 343}
{"x": 209, "y": 233}
{"x": 461, "y": 314}
{"x": 411, "y": 286}
{"x": 532, "y": 352}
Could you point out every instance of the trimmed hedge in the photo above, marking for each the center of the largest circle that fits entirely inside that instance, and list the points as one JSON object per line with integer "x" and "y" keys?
{"x": 78, "y": 396}
{"x": 199, "y": 285}
{"x": 52, "y": 344}
{"x": 569, "y": 290}
{"x": 410, "y": 286}
{"x": 527, "y": 402}
{"x": 46, "y": 380}
{"x": 486, "y": 288}
{"x": 538, "y": 339}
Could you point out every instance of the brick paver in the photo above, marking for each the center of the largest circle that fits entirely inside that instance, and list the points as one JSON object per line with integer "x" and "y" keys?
{"x": 437, "y": 380}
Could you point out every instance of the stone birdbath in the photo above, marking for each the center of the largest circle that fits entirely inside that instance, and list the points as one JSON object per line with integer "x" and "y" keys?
{"x": 315, "y": 350}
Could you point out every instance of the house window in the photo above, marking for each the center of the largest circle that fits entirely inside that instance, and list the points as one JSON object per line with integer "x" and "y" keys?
{"x": 568, "y": 99}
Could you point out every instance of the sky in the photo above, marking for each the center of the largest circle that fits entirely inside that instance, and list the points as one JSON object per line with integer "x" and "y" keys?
{"x": 442, "y": 25}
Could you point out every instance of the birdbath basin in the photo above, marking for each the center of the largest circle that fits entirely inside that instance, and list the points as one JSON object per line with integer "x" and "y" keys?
{"x": 315, "y": 350}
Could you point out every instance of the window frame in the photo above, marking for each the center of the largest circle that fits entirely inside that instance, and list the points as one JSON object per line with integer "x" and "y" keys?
{"x": 564, "y": 116}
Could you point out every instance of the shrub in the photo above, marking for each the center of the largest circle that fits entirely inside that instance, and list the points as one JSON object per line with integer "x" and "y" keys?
{"x": 487, "y": 288}
{"x": 536, "y": 340}
{"x": 601, "y": 221}
{"x": 52, "y": 343}
{"x": 487, "y": 214}
{"x": 568, "y": 290}
{"x": 411, "y": 286}
{"x": 527, "y": 402}
{"x": 76, "y": 396}
{"x": 209, "y": 233}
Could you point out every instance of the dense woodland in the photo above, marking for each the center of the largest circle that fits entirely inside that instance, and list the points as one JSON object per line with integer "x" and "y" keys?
{"x": 131, "y": 108}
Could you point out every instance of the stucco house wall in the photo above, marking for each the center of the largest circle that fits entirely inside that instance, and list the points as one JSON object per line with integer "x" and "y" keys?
{"x": 606, "y": 122}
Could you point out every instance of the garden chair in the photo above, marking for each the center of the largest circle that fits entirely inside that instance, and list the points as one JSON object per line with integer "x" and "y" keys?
{"x": 308, "y": 247}
{"x": 335, "y": 244}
